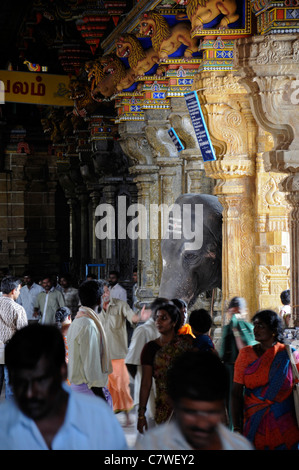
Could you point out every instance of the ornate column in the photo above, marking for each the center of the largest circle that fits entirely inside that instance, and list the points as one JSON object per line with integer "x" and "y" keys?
{"x": 84, "y": 226}
{"x": 95, "y": 197}
{"x": 145, "y": 173}
{"x": 70, "y": 178}
{"x": 269, "y": 67}
{"x": 108, "y": 244}
{"x": 226, "y": 110}
{"x": 291, "y": 186}
{"x": 149, "y": 247}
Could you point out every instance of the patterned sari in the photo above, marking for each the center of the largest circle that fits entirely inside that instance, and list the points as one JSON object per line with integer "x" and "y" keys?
{"x": 269, "y": 413}
{"x": 163, "y": 360}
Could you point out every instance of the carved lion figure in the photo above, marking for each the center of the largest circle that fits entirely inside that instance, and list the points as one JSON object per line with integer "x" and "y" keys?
{"x": 165, "y": 39}
{"x": 81, "y": 95}
{"x": 117, "y": 77}
{"x": 140, "y": 60}
{"x": 51, "y": 124}
{"x": 201, "y": 12}
{"x": 95, "y": 72}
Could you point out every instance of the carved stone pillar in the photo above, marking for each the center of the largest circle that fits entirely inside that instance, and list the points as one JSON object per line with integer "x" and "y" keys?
{"x": 291, "y": 186}
{"x": 272, "y": 228}
{"x": 226, "y": 110}
{"x": 148, "y": 247}
{"x": 95, "y": 200}
{"x": 269, "y": 67}
{"x": 135, "y": 145}
{"x": 108, "y": 244}
{"x": 234, "y": 189}
{"x": 84, "y": 227}
{"x": 75, "y": 233}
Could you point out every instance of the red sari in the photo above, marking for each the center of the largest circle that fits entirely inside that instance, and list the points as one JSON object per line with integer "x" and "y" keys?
{"x": 269, "y": 414}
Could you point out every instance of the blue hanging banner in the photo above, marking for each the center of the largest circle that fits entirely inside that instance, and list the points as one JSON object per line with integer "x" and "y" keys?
{"x": 200, "y": 128}
{"x": 176, "y": 140}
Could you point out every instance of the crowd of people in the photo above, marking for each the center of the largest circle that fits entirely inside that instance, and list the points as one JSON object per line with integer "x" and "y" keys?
{"x": 70, "y": 362}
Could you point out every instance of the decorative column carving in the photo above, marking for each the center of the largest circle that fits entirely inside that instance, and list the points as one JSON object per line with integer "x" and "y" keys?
{"x": 135, "y": 145}
{"x": 273, "y": 245}
{"x": 108, "y": 245}
{"x": 269, "y": 70}
{"x": 234, "y": 188}
{"x": 146, "y": 178}
{"x": 226, "y": 110}
{"x": 95, "y": 197}
{"x": 194, "y": 179}
{"x": 84, "y": 226}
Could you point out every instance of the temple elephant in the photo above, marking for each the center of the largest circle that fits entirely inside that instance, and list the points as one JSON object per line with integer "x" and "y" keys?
{"x": 192, "y": 267}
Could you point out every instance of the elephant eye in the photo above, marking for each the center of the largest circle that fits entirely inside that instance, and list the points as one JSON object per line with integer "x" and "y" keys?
{"x": 190, "y": 258}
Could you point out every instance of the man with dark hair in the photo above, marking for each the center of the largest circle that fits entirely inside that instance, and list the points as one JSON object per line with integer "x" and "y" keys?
{"x": 285, "y": 311}
{"x": 69, "y": 293}
{"x": 88, "y": 357}
{"x": 201, "y": 322}
{"x": 12, "y": 318}
{"x": 48, "y": 301}
{"x": 116, "y": 290}
{"x": 28, "y": 294}
{"x": 46, "y": 414}
{"x": 197, "y": 385}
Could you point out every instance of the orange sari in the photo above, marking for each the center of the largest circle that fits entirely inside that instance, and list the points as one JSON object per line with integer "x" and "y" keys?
{"x": 269, "y": 413}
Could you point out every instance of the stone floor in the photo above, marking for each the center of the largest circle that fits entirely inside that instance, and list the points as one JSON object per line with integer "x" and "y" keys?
{"x": 131, "y": 430}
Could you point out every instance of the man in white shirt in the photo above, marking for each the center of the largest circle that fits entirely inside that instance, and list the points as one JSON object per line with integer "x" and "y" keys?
{"x": 88, "y": 357}
{"x": 12, "y": 318}
{"x": 286, "y": 311}
{"x": 28, "y": 294}
{"x": 48, "y": 301}
{"x": 197, "y": 385}
{"x": 46, "y": 414}
{"x": 116, "y": 290}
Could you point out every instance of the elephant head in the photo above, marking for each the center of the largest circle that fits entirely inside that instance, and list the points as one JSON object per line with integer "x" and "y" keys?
{"x": 191, "y": 267}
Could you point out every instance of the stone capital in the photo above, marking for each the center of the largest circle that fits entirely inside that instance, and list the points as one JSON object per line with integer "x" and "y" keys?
{"x": 230, "y": 174}
{"x": 225, "y": 105}
{"x": 134, "y": 143}
{"x": 269, "y": 70}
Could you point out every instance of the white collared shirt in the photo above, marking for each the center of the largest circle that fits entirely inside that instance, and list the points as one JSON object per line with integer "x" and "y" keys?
{"x": 168, "y": 436}
{"x": 27, "y": 298}
{"x": 89, "y": 424}
{"x": 142, "y": 334}
{"x": 118, "y": 292}
{"x": 84, "y": 354}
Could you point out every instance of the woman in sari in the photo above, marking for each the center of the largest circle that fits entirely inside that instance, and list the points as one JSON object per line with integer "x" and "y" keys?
{"x": 262, "y": 398}
{"x": 156, "y": 358}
